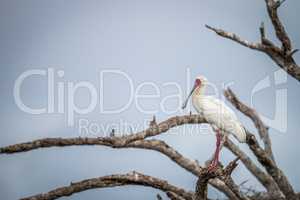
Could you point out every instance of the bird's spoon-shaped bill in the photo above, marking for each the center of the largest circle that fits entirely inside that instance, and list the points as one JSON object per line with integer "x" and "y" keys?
{"x": 187, "y": 99}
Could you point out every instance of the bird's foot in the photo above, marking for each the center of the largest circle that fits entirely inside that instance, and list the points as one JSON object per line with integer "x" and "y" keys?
{"x": 212, "y": 167}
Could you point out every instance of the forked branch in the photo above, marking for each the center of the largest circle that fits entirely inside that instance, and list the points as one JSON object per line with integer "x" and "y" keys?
{"x": 282, "y": 56}
{"x": 221, "y": 173}
{"x": 272, "y": 6}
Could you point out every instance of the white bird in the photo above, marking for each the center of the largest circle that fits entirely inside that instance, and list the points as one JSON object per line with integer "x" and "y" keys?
{"x": 218, "y": 114}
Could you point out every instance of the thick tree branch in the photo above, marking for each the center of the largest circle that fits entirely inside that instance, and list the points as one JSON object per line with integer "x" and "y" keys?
{"x": 287, "y": 63}
{"x": 133, "y": 178}
{"x": 132, "y": 141}
{"x": 220, "y": 173}
{"x": 156, "y": 129}
{"x": 114, "y": 142}
{"x": 281, "y": 34}
{"x": 201, "y": 185}
{"x": 109, "y": 141}
{"x": 221, "y": 186}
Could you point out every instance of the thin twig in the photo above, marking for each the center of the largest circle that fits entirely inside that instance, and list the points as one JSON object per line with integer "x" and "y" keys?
{"x": 236, "y": 38}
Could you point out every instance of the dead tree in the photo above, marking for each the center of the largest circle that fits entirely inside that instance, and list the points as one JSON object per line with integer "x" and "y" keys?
{"x": 275, "y": 182}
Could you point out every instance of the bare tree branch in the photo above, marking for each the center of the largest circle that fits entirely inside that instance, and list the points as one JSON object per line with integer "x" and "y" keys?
{"x": 114, "y": 142}
{"x": 133, "y": 178}
{"x": 282, "y": 56}
{"x": 264, "y": 196}
{"x": 281, "y": 34}
{"x": 221, "y": 186}
{"x": 236, "y": 38}
{"x": 276, "y": 173}
{"x": 264, "y": 39}
{"x": 283, "y": 59}
{"x": 265, "y": 179}
{"x": 132, "y": 141}
{"x": 174, "y": 196}
{"x": 252, "y": 114}
{"x": 263, "y": 157}
{"x": 229, "y": 181}
{"x": 222, "y": 174}
{"x": 109, "y": 141}
{"x": 201, "y": 185}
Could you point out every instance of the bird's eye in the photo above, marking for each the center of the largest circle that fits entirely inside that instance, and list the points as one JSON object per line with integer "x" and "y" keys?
{"x": 197, "y": 82}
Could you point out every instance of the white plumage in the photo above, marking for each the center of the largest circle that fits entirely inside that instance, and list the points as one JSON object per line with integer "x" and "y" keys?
{"x": 217, "y": 113}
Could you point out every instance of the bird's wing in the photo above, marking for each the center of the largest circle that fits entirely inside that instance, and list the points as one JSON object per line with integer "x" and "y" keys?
{"x": 216, "y": 109}
{"x": 219, "y": 114}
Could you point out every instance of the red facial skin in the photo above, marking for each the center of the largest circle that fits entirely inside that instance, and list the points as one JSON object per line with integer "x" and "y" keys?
{"x": 197, "y": 82}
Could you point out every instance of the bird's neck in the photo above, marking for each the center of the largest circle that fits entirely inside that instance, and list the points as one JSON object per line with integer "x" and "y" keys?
{"x": 199, "y": 91}
{"x": 198, "y": 96}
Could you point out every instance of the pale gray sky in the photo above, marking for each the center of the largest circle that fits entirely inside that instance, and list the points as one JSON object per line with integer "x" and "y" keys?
{"x": 150, "y": 41}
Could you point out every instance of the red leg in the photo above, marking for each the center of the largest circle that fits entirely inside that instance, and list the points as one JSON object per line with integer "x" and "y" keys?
{"x": 215, "y": 160}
